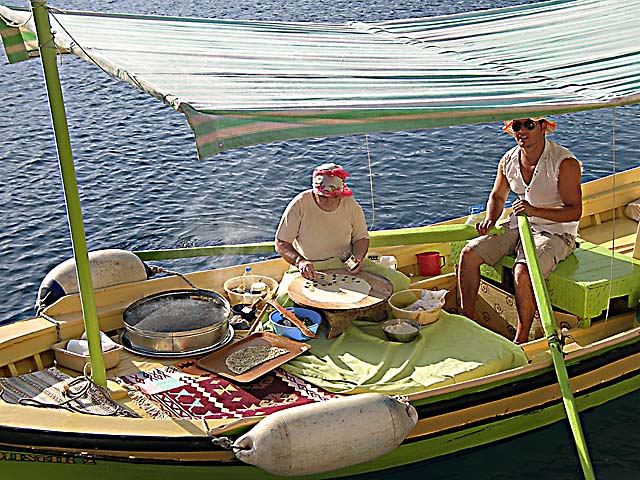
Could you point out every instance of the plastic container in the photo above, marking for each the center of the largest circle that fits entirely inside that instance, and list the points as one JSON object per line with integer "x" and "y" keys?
{"x": 402, "y": 299}
{"x": 349, "y": 260}
{"x": 389, "y": 261}
{"x": 246, "y": 285}
{"x": 476, "y": 214}
{"x": 234, "y": 288}
{"x": 75, "y": 361}
{"x": 293, "y": 332}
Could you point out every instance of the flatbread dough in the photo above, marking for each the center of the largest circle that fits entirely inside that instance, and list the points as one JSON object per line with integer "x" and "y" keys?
{"x": 246, "y": 358}
{"x": 336, "y": 288}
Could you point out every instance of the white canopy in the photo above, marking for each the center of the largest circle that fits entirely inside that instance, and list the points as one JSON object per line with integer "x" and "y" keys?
{"x": 241, "y": 83}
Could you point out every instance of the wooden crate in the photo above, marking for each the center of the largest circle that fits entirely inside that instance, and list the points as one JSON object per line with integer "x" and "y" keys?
{"x": 496, "y": 310}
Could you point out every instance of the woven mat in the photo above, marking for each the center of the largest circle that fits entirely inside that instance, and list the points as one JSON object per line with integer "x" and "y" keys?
{"x": 188, "y": 392}
{"x": 53, "y": 388}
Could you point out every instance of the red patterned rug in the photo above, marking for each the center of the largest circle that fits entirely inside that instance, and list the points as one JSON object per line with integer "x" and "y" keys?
{"x": 185, "y": 391}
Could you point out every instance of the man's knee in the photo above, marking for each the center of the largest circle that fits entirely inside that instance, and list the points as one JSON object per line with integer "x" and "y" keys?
{"x": 469, "y": 258}
{"x": 521, "y": 274}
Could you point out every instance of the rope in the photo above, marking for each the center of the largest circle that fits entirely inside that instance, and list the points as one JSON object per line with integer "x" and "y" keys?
{"x": 613, "y": 220}
{"x": 9, "y": 23}
{"x": 155, "y": 269}
{"x": 54, "y": 321}
{"x": 74, "y": 42}
{"x": 373, "y": 207}
{"x": 222, "y": 442}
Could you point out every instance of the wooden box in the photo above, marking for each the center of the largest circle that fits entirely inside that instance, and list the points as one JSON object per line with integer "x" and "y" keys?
{"x": 496, "y": 310}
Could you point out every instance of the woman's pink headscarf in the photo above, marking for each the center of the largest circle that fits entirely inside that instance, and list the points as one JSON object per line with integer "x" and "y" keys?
{"x": 329, "y": 180}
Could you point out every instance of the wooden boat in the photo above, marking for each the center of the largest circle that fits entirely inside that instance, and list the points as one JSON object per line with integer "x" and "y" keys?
{"x": 600, "y": 346}
{"x": 602, "y": 359}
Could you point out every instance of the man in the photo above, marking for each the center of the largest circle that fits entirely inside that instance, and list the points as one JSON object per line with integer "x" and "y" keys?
{"x": 322, "y": 223}
{"x": 547, "y": 179}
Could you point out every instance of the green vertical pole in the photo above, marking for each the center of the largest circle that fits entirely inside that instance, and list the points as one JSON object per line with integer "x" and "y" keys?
{"x": 555, "y": 347}
{"x": 70, "y": 185}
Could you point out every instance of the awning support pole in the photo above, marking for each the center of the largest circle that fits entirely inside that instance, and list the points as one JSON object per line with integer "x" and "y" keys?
{"x": 70, "y": 185}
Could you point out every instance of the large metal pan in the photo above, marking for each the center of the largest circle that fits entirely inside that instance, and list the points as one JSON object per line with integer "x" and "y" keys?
{"x": 179, "y": 322}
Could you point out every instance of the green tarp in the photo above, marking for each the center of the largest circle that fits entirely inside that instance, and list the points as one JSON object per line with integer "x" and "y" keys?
{"x": 241, "y": 83}
{"x": 452, "y": 350}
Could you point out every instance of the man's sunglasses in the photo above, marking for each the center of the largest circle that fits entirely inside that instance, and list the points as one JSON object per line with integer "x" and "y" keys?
{"x": 528, "y": 124}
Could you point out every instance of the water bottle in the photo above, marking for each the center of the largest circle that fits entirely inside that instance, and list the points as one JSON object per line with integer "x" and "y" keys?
{"x": 476, "y": 214}
{"x": 246, "y": 285}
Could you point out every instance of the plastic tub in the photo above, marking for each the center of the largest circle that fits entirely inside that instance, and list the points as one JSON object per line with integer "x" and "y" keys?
{"x": 76, "y": 361}
{"x": 293, "y": 332}
{"x": 402, "y": 299}
{"x": 233, "y": 289}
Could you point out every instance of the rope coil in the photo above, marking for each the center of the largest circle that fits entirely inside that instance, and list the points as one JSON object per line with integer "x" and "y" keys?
{"x": 75, "y": 390}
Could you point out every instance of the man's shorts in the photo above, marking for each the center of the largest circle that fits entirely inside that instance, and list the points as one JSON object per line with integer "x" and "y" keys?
{"x": 551, "y": 248}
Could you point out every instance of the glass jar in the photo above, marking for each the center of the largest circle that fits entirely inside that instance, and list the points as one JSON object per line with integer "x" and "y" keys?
{"x": 349, "y": 260}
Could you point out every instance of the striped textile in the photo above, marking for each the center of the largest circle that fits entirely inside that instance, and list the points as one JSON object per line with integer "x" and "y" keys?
{"x": 51, "y": 387}
{"x": 14, "y": 44}
{"x": 242, "y": 83}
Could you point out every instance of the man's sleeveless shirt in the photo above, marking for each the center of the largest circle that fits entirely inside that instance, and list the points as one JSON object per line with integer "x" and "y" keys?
{"x": 542, "y": 191}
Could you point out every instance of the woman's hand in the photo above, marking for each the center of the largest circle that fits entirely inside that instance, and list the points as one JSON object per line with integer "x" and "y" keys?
{"x": 306, "y": 269}
{"x": 357, "y": 268}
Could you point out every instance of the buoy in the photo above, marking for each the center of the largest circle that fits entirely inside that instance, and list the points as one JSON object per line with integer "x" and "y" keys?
{"x": 108, "y": 267}
{"x": 319, "y": 437}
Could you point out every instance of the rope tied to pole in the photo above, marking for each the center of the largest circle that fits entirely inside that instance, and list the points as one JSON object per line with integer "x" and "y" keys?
{"x": 156, "y": 270}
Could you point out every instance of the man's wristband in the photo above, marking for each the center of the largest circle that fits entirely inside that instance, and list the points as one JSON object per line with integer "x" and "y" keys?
{"x": 299, "y": 258}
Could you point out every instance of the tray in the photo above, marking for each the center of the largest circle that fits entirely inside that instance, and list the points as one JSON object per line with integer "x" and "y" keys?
{"x": 215, "y": 362}
{"x": 129, "y": 347}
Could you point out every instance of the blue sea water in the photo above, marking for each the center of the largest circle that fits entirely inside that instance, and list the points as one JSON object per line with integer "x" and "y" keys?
{"x": 142, "y": 187}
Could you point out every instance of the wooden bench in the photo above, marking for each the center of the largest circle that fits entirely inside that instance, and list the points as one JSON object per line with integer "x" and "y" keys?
{"x": 584, "y": 282}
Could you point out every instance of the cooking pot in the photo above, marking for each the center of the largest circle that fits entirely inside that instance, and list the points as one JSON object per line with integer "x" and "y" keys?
{"x": 177, "y": 322}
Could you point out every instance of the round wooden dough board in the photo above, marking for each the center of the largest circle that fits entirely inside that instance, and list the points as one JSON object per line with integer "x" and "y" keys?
{"x": 380, "y": 291}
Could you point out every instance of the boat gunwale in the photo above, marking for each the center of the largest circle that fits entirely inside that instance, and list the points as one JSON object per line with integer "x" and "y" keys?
{"x": 440, "y": 400}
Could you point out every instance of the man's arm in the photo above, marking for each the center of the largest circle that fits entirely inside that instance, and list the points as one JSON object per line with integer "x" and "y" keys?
{"x": 570, "y": 189}
{"x": 495, "y": 204}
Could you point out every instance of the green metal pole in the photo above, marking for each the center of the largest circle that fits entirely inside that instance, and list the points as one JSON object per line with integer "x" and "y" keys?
{"x": 379, "y": 238}
{"x": 550, "y": 330}
{"x": 72, "y": 198}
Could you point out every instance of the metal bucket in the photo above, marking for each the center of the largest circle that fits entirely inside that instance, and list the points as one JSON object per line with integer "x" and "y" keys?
{"x": 177, "y": 322}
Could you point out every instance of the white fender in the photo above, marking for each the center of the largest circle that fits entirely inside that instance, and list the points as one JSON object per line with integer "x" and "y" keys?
{"x": 324, "y": 436}
{"x": 108, "y": 267}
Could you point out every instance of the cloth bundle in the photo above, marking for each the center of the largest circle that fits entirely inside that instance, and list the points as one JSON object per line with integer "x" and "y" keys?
{"x": 430, "y": 300}
{"x": 81, "y": 347}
